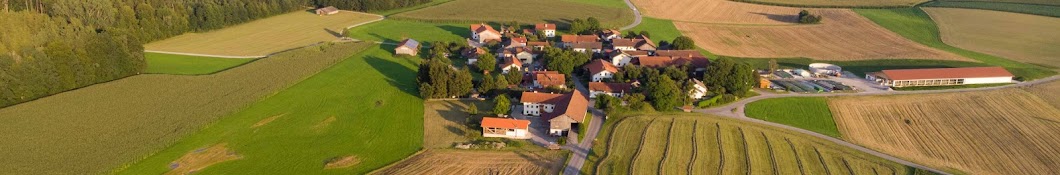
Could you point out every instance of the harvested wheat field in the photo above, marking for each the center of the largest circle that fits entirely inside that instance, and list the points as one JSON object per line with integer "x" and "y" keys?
{"x": 1050, "y": 92}
{"x": 715, "y": 145}
{"x": 761, "y": 31}
{"x": 264, "y": 36}
{"x": 1021, "y": 37}
{"x": 1006, "y": 131}
{"x": 460, "y": 162}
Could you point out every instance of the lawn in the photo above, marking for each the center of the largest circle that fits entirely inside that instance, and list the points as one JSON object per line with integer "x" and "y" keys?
{"x": 160, "y": 63}
{"x": 262, "y": 37}
{"x": 916, "y": 25}
{"x": 659, "y": 29}
{"x": 446, "y": 122}
{"x": 810, "y": 113}
{"x": 393, "y": 31}
{"x": 364, "y": 107}
{"x": 406, "y": 9}
{"x": 526, "y": 12}
{"x": 95, "y": 129}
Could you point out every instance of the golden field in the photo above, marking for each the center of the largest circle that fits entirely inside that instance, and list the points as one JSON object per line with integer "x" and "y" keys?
{"x": 1007, "y": 131}
{"x": 265, "y": 36}
{"x": 522, "y": 11}
{"x": 1021, "y": 37}
{"x": 761, "y": 31}
{"x": 459, "y": 162}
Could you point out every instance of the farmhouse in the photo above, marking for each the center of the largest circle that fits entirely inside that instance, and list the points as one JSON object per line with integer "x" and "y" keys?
{"x": 620, "y": 58}
{"x": 665, "y": 58}
{"x": 516, "y": 42}
{"x": 543, "y": 79}
{"x": 588, "y": 47}
{"x": 407, "y": 47}
{"x": 472, "y": 53}
{"x": 561, "y": 110}
{"x": 484, "y": 33}
{"x": 505, "y": 128}
{"x": 538, "y": 45}
{"x": 547, "y": 28}
{"x": 699, "y": 89}
{"x": 569, "y": 40}
{"x": 524, "y": 54}
{"x": 610, "y": 34}
{"x": 612, "y": 89}
{"x": 632, "y": 44}
{"x": 329, "y": 10}
{"x": 600, "y": 70}
{"x": 940, "y": 76}
{"x": 511, "y": 64}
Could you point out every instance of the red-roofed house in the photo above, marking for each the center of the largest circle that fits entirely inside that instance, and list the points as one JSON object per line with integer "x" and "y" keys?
{"x": 511, "y": 64}
{"x": 544, "y": 79}
{"x": 548, "y": 28}
{"x": 484, "y": 33}
{"x": 561, "y": 110}
{"x": 612, "y": 89}
{"x": 587, "y": 47}
{"x": 569, "y": 40}
{"x": 506, "y": 128}
{"x": 632, "y": 44}
{"x": 600, "y": 70}
{"x": 620, "y": 58}
{"x": 940, "y": 76}
{"x": 610, "y": 34}
{"x": 516, "y": 42}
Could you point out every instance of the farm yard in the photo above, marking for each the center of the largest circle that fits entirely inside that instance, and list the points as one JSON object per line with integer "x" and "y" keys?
{"x": 459, "y": 162}
{"x": 357, "y": 116}
{"x": 1020, "y": 37}
{"x": 159, "y": 63}
{"x": 265, "y": 36}
{"x": 560, "y": 12}
{"x": 1007, "y": 131}
{"x": 708, "y": 145}
{"x": 97, "y": 128}
{"x": 760, "y": 31}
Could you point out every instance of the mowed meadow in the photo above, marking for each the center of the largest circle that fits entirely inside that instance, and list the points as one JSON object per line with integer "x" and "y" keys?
{"x": 357, "y": 116}
{"x": 700, "y": 144}
{"x": 265, "y": 36}
{"x": 761, "y": 31}
{"x": 98, "y": 128}
{"x": 1020, "y": 37}
{"x": 522, "y": 11}
{"x": 1007, "y": 131}
{"x": 160, "y": 63}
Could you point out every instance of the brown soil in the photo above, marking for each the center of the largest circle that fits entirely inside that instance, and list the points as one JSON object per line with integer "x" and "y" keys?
{"x": 265, "y": 121}
{"x": 342, "y": 162}
{"x": 204, "y": 157}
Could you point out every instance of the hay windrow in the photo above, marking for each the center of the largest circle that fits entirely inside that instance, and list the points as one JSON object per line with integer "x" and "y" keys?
{"x": 341, "y": 162}
{"x": 265, "y": 121}
{"x": 201, "y": 158}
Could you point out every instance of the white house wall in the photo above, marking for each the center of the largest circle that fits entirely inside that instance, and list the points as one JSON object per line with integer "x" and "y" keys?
{"x": 989, "y": 80}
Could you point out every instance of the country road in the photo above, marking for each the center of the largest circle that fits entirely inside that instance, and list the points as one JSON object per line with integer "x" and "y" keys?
{"x": 580, "y": 149}
{"x": 736, "y": 110}
{"x": 636, "y": 16}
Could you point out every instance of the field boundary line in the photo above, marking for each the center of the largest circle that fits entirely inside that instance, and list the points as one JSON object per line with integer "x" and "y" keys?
{"x": 633, "y": 161}
{"x": 823, "y": 163}
{"x": 772, "y": 158}
{"x": 397, "y": 162}
{"x": 847, "y": 165}
{"x": 666, "y": 153}
{"x": 206, "y": 55}
{"x": 746, "y": 153}
{"x": 695, "y": 148}
{"x": 798, "y": 160}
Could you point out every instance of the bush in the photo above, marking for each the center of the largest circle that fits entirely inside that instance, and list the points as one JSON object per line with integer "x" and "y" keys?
{"x": 709, "y": 102}
{"x": 806, "y": 17}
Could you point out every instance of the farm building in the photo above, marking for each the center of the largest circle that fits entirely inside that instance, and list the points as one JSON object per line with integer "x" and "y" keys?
{"x": 699, "y": 90}
{"x": 510, "y": 64}
{"x": 407, "y": 47}
{"x": 568, "y": 41}
{"x": 940, "y": 76}
{"x": 620, "y": 58}
{"x": 506, "y": 128}
{"x": 600, "y": 70}
{"x": 543, "y": 79}
{"x": 484, "y": 33}
{"x": 612, "y": 89}
{"x": 548, "y": 28}
{"x": 329, "y": 10}
{"x": 826, "y": 69}
{"x": 561, "y": 110}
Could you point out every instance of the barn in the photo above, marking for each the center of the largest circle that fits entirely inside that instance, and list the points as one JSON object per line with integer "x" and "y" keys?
{"x": 329, "y": 10}
{"x": 505, "y": 128}
{"x": 407, "y": 47}
{"x": 940, "y": 76}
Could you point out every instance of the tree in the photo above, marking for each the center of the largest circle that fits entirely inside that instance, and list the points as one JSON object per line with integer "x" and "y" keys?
{"x": 460, "y": 84}
{"x": 608, "y": 103}
{"x": 630, "y": 34}
{"x": 645, "y": 33}
{"x": 727, "y": 76}
{"x": 805, "y": 17}
{"x": 487, "y": 84}
{"x": 682, "y": 43}
{"x": 564, "y": 61}
{"x": 665, "y": 94}
{"x": 486, "y": 63}
{"x": 578, "y": 26}
{"x": 676, "y": 73}
{"x": 773, "y": 66}
{"x": 513, "y": 77}
{"x": 472, "y": 109}
{"x": 593, "y": 25}
{"x": 501, "y": 83}
{"x": 501, "y": 105}
{"x": 635, "y": 100}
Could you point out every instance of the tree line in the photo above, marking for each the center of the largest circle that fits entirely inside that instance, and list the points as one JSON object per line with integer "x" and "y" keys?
{"x": 51, "y": 46}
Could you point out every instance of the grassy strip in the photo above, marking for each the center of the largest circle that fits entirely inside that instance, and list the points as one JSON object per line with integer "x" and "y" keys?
{"x": 1034, "y": 9}
{"x": 919, "y": 88}
{"x": 915, "y": 24}
{"x": 364, "y": 106}
{"x": 659, "y": 29}
{"x": 810, "y": 113}
{"x": 583, "y": 127}
{"x": 406, "y": 9}
{"x": 159, "y": 63}
{"x": 392, "y": 31}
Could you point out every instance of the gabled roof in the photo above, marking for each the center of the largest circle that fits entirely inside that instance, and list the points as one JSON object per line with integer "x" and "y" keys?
{"x": 579, "y": 38}
{"x": 678, "y": 53}
{"x": 518, "y": 39}
{"x": 516, "y": 50}
{"x": 482, "y": 27}
{"x": 328, "y": 9}
{"x": 549, "y": 78}
{"x": 610, "y": 87}
{"x": 637, "y": 53}
{"x": 647, "y": 41}
{"x": 696, "y": 62}
{"x": 588, "y": 45}
{"x": 599, "y": 65}
{"x": 609, "y": 32}
{"x": 616, "y": 53}
{"x": 573, "y": 104}
{"x": 544, "y": 26}
{"x": 943, "y": 73}
{"x": 511, "y": 61}
{"x": 409, "y": 43}
{"x": 654, "y": 61}
{"x": 538, "y": 43}
{"x": 493, "y": 122}
{"x": 473, "y": 52}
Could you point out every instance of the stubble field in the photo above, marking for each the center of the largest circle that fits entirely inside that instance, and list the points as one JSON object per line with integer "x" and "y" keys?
{"x": 522, "y": 11}
{"x": 265, "y": 36}
{"x": 712, "y": 145}
{"x": 460, "y": 162}
{"x": 1006, "y": 131}
{"x": 761, "y": 31}
{"x": 840, "y": 3}
{"x": 1021, "y": 37}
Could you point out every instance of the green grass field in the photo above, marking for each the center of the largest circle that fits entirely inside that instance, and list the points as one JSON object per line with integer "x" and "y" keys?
{"x": 363, "y": 107}
{"x": 683, "y": 143}
{"x": 101, "y": 127}
{"x": 526, "y": 12}
{"x": 393, "y": 31}
{"x": 810, "y": 113}
{"x": 160, "y": 63}
{"x": 659, "y": 29}
{"x": 406, "y": 9}
{"x": 914, "y": 24}
{"x": 1052, "y": 8}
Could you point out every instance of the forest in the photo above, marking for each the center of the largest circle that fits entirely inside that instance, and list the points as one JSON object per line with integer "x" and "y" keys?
{"x": 52, "y": 46}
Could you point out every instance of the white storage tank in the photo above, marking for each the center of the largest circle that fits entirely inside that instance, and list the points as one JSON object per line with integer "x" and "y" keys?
{"x": 825, "y": 69}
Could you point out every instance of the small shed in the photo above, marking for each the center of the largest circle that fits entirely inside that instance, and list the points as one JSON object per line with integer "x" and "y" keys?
{"x": 329, "y": 10}
{"x": 407, "y": 47}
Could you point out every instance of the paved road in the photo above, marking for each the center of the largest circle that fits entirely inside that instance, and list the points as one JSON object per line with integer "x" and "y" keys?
{"x": 736, "y": 110}
{"x": 636, "y": 16}
{"x": 580, "y": 150}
